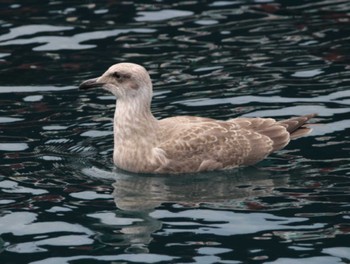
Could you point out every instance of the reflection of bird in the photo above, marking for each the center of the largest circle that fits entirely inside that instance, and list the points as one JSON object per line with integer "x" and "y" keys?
{"x": 139, "y": 193}
{"x": 184, "y": 143}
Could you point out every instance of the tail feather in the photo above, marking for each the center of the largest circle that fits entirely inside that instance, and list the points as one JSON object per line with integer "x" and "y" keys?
{"x": 276, "y": 131}
{"x": 295, "y": 126}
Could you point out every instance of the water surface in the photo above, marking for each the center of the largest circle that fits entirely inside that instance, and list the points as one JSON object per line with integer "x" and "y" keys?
{"x": 63, "y": 201}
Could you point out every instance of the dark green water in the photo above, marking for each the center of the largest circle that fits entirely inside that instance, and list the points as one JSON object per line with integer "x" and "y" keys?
{"x": 62, "y": 200}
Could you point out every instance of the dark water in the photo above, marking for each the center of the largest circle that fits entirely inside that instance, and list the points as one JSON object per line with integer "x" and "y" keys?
{"x": 62, "y": 200}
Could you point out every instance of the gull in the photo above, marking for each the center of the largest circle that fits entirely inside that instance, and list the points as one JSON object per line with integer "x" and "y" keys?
{"x": 184, "y": 144}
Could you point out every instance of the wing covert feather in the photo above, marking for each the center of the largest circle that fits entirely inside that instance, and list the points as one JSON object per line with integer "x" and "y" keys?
{"x": 216, "y": 143}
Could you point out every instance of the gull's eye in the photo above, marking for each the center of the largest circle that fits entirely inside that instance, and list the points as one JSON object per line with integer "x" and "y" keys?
{"x": 117, "y": 76}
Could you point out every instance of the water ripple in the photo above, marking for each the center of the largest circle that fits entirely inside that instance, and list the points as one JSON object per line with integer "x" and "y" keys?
{"x": 54, "y": 43}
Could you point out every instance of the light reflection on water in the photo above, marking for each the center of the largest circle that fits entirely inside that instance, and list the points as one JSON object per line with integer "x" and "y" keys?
{"x": 62, "y": 201}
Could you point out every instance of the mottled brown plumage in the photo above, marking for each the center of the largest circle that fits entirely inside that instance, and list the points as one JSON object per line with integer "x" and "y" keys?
{"x": 184, "y": 144}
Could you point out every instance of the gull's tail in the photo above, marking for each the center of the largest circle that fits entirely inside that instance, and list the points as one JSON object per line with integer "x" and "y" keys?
{"x": 296, "y": 125}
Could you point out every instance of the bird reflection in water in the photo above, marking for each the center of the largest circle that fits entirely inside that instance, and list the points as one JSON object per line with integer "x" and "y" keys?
{"x": 139, "y": 196}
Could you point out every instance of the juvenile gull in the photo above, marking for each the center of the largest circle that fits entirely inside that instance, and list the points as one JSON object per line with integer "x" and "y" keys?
{"x": 184, "y": 144}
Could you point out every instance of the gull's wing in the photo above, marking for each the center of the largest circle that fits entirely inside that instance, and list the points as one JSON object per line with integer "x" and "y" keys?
{"x": 213, "y": 145}
{"x": 195, "y": 144}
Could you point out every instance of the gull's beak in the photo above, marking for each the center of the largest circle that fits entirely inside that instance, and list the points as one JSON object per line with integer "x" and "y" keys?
{"x": 89, "y": 84}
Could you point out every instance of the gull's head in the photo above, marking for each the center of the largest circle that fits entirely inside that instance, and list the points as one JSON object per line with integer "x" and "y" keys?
{"x": 124, "y": 80}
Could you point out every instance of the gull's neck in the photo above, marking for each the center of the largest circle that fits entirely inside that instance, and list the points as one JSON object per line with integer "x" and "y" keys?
{"x": 135, "y": 135}
{"x": 134, "y": 123}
